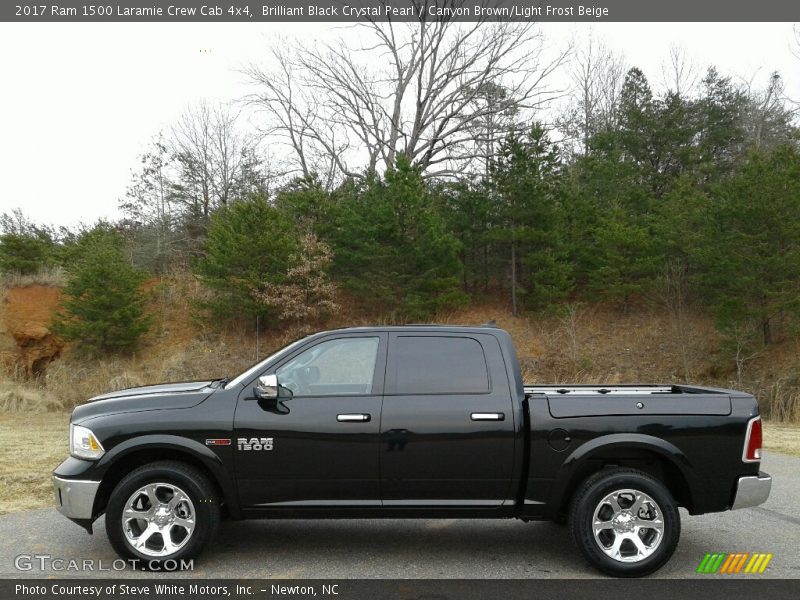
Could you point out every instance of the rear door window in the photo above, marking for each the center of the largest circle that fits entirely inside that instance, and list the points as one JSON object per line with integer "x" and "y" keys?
{"x": 439, "y": 365}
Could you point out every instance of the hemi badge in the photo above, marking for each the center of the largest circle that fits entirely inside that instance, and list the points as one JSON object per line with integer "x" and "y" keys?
{"x": 219, "y": 442}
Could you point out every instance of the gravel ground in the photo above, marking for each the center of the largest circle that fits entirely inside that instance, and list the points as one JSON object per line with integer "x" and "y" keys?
{"x": 340, "y": 549}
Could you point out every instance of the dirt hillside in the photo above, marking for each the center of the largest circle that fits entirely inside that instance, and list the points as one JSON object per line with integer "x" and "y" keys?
{"x": 27, "y": 313}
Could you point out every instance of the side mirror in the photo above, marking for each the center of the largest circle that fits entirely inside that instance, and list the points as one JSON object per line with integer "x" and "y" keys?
{"x": 266, "y": 388}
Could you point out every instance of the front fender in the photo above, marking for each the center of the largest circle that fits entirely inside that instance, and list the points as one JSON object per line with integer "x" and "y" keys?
{"x": 171, "y": 445}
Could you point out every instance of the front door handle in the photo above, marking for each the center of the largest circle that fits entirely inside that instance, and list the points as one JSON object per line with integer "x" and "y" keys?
{"x": 487, "y": 416}
{"x": 353, "y": 418}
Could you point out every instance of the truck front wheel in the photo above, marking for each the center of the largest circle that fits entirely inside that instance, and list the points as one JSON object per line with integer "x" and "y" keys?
{"x": 624, "y": 522}
{"x": 162, "y": 515}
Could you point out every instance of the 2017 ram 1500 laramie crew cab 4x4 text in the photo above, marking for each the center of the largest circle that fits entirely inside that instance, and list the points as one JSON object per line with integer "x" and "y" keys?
{"x": 412, "y": 421}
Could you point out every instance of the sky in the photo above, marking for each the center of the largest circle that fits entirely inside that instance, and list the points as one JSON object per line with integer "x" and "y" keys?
{"x": 80, "y": 102}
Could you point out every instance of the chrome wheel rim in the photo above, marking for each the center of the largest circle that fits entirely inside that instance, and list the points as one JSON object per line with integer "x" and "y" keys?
{"x": 628, "y": 525}
{"x": 158, "y": 519}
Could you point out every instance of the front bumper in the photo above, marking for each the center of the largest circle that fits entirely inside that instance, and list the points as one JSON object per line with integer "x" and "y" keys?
{"x": 752, "y": 491}
{"x": 75, "y": 497}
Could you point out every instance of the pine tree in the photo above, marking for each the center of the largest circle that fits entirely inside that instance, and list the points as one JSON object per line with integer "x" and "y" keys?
{"x": 469, "y": 213}
{"x": 393, "y": 248}
{"x": 636, "y": 113}
{"x": 627, "y": 256}
{"x": 612, "y": 195}
{"x": 749, "y": 255}
{"x": 721, "y": 135}
{"x": 526, "y": 179}
{"x": 24, "y": 254}
{"x": 103, "y": 306}
{"x": 25, "y": 247}
{"x": 249, "y": 244}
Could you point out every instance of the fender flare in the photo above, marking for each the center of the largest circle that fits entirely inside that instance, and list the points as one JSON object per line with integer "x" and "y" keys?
{"x": 212, "y": 463}
{"x": 569, "y": 469}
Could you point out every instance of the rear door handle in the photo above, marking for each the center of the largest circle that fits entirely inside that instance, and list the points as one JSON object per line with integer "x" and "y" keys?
{"x": 353, "y": 418}
{"x": 487, "y": 416}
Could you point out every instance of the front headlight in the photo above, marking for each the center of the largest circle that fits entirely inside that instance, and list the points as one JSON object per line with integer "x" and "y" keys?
{"x": 83, "y": 443}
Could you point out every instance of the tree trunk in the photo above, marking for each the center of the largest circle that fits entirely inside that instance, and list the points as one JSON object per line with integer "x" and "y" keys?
{"x": 513, "y": 277}
{"x": 486, "y": 268}
{"x": 464, "y": 280}
{"x": 766, "y": 330}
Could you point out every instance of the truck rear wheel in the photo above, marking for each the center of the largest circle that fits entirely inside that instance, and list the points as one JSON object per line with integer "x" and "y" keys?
{"x": 624, "y": 522}
{"x": 162, "y": 514}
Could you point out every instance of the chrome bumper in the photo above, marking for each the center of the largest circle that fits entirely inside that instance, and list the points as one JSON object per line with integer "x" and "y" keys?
{"x": 74, "y": 497}
{"x": 752, "y": 491}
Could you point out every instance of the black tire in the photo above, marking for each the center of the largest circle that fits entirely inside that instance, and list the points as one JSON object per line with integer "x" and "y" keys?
{"x": 590, "y": 496}
{"x": 204, "y": 502}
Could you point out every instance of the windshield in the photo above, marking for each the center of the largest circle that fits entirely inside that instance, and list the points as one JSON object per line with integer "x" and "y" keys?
{"x": 252, "y": 371}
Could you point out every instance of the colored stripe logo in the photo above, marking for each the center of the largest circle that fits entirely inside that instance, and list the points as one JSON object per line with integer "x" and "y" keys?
{"x": 722, "y": 563}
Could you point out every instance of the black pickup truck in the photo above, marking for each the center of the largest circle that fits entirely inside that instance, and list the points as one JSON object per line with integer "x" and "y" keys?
{"x": 413, "y": 421}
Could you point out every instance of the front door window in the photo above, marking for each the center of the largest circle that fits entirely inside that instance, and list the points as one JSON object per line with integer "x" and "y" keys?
{"x": 341, "y": 367}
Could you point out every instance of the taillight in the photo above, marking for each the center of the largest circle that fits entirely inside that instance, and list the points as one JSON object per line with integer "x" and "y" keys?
{"x": 752, "y": 441}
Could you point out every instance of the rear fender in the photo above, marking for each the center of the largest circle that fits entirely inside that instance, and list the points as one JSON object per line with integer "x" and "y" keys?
{"x": 574, "y": 469}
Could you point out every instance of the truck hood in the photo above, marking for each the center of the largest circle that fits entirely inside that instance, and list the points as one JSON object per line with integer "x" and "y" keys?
{"x": 148, "y": 397}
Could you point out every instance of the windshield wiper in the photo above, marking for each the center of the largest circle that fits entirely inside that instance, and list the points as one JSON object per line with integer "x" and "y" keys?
{"x": 215, "y": 383}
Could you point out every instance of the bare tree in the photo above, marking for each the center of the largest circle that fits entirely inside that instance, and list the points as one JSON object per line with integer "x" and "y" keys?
{"x": 498, "y": 118}
{"x": 412, "y": 89}
{"x": 203, "y": 162}
{"x": 796, "y": 42}
{"x": 673, "y": 293}
{"x": 149, "y": 205}
{"x": 292, "y": 116}
{"x": 596, "y": 75}
{"x": 740, "y": 340}
{"x": 211, "y": 155}
{"x": 768, "y": 120}
{"x": 680, "y": 74}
